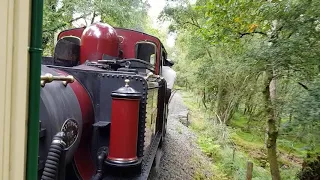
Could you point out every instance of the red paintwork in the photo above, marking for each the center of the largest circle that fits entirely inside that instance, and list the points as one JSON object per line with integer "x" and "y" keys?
{"x": 71, "y": 32}
{"x": 124, "y": 130}
{"x": 96, "y": 40}
{"x": 130, "y": 38}
{"x": 82, "y": 156}
{"x": 127, "y": 39}
{"x": 84, "y": 162}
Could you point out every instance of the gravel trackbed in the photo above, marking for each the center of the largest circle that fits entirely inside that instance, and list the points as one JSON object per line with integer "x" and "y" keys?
{"x": 180, "y": 157}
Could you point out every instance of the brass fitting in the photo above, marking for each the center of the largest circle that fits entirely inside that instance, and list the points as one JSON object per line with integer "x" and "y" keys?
{"x": 151, "y": 75}
{"x": 127, "y": 82}
{"x": 48, "y": 78}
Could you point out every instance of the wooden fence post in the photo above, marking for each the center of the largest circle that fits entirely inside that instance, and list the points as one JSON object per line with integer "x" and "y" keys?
{"x": 233, "y": 153}
{"x": 249, "y": 170}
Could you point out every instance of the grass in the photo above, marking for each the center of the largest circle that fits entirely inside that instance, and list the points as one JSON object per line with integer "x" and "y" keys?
{"x": 252, "y": 142}
{"x": 201, "y": 172}
{"x": 256, "y": 136}
{"x": 231, "y": 147}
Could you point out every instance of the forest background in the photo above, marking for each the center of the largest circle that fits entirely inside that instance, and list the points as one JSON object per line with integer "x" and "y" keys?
{"x": 249, "y": 71}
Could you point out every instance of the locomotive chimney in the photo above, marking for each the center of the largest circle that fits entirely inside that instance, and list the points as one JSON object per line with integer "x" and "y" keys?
{"x": 124, "y": 125}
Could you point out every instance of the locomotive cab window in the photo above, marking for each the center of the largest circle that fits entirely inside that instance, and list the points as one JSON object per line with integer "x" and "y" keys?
{"x": 146, "y": 51}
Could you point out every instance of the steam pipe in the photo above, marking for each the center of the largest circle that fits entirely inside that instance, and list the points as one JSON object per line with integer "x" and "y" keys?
{"x": 51, "y": 168}
{"x": 102, "y": 156}
{"x": 35, "y": 52}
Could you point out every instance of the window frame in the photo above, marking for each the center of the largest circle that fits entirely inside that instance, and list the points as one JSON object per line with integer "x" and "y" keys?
{"x": 147, "y": 42}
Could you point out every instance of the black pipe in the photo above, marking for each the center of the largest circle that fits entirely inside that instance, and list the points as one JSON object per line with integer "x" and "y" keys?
{"x": 51, "y": 168}
{"x": 102, "y": 156}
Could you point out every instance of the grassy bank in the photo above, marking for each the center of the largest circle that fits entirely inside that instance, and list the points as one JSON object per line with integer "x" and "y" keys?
{"x": 230, "y": 148}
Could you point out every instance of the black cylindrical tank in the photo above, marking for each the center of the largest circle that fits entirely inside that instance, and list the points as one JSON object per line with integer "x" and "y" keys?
{"x": 59, "y": 107}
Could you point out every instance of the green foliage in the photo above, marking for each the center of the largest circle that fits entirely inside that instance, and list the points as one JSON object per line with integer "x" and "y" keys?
{"x": 227, "y": 51}
{"x": 307, "y": 109}
{"x": 230, "y": 162}
{"x": 231, "y": 150}
{"x": 310, "y": 168}
{"x": 61, "y": 14}
{"x": 55, "y": 16}
{"x": 122, "y": 13}
{"x": 210, "y": 148}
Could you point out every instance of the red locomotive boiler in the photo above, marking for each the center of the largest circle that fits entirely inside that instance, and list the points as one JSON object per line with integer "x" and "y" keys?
{"x": 102, "y": 107}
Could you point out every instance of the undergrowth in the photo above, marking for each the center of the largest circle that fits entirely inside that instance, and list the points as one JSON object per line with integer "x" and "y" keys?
{"x": 230, "y": 148}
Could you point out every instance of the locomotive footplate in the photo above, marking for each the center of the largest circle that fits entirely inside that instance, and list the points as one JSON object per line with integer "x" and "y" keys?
{"x": 146, "y": 166}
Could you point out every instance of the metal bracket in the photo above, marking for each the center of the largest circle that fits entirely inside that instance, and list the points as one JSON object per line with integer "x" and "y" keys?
{"x": 48, "y": 78}
{"x": 151, "y": 75}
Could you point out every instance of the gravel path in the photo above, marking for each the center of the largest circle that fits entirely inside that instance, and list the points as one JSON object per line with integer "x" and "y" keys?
{"x": 181, "y": 158}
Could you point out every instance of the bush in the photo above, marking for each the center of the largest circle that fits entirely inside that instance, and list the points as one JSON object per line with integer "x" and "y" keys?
{"x": 310, "y": 168}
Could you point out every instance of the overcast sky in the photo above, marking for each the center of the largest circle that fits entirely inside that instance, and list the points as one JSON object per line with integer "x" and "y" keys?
{"x": 156, "y": 7}
{"x": 154, "y": 11}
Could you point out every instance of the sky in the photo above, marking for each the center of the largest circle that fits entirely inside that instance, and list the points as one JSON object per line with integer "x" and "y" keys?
{"x": 154, "y": 11}
{"x": 156, "y": 6}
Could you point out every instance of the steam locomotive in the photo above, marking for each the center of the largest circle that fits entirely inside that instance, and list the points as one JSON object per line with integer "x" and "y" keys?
{"x": 103, "y": 107}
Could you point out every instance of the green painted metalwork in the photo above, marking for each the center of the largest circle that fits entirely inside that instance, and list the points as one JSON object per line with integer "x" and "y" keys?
{"x": 35, "y": 52}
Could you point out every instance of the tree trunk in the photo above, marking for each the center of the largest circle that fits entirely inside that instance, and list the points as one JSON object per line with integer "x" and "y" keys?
{"x": 248, "y": 123}
{"x": 204, "y": 98}
{"x": 272, "y": 130}
{"x": 290, "y": 117}
{"x": 221, "y": 101}
{"x": 93, "y": 17}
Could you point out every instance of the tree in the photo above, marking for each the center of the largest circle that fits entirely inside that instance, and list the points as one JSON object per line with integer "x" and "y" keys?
{"x": 274, "y": 39}
{"x": 61, "y": 14}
